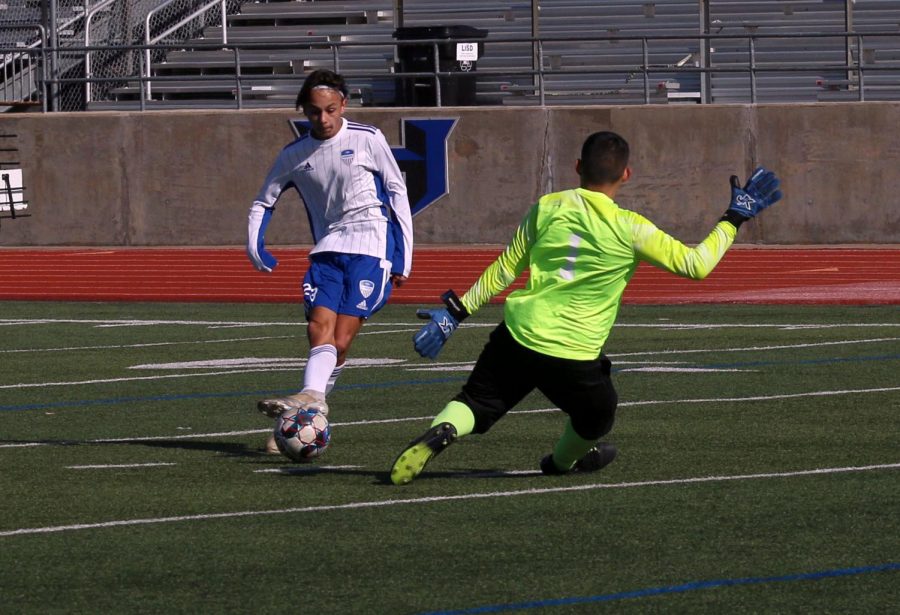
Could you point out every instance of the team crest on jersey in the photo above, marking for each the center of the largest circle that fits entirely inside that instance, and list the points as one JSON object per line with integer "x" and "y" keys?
{"x": 347, "y": 156}
{"x": 366, "y": 287}
{"x": 422, "y": 157}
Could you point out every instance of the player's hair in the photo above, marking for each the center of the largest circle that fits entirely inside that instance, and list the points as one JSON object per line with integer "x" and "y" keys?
{"x": 604, "y": 157}
{"x": 321, "y": 79}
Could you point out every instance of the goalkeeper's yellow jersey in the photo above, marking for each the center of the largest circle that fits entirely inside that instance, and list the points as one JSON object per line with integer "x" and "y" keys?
{"x": 581, "y": 250}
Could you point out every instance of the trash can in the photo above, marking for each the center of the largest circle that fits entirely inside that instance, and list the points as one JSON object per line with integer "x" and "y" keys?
{"x": 458, "y": 56}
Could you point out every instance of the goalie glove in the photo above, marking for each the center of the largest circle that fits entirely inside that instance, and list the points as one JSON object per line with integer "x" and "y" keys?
{"x": 442, "y": 323}
{"x": 760, "y": 191}
{"x": 256, "y": 246}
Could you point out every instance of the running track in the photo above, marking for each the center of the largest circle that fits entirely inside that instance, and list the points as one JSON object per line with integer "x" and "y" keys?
{"x": 851, "y": 276}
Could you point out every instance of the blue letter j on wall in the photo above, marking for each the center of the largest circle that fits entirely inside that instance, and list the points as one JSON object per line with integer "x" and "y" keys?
{"x": 422, "y": 156}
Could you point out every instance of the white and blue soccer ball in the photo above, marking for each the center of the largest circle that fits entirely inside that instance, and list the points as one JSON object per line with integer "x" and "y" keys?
{"x": 302, "y": 434}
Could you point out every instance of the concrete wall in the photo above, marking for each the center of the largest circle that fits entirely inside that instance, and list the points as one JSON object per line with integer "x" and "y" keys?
{"x": 188, "y": 177}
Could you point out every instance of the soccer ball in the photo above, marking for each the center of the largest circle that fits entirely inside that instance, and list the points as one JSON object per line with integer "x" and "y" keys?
{"x": 302, "y": 434}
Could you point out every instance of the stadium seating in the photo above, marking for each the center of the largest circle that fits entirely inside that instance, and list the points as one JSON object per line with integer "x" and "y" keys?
{"x": 282, "y": 40}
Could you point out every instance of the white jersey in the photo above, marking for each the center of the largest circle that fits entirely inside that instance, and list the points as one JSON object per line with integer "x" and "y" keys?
{"x": 353, "y": 191}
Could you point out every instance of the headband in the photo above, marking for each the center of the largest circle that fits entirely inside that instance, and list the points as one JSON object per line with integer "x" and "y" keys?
{"x": 330, "y": 87}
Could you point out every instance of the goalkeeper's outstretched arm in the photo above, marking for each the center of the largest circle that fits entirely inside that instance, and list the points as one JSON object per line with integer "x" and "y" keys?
{"x": 666, "y": 252}
{"x": 429, "y": 340}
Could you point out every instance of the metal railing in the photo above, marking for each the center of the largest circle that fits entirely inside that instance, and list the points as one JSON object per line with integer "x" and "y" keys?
{"x": 849, "y": 77}
{"x": 88, "y": 20}
{"x": 196, "y": 16}
{"x": 23, "y": 69}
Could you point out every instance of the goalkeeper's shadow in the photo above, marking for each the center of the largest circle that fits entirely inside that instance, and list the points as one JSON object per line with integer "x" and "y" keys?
{"x": 384, "y": 478}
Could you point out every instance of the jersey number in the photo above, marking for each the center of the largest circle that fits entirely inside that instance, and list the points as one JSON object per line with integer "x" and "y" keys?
{"x": 567, "y": 272}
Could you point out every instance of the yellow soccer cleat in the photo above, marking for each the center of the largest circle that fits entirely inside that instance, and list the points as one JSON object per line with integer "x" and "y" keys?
{"x": 420, "y": 451}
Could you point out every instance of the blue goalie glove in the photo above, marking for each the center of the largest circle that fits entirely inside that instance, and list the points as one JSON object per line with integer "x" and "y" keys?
{"x": 256, "y": 245}
{"x": 760, "y": 191}
{"x": 429, "y": 340}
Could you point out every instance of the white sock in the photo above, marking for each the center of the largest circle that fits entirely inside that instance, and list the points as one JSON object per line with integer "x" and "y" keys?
{"x": 333, "y": 378}
{"x": 321, "y": 363}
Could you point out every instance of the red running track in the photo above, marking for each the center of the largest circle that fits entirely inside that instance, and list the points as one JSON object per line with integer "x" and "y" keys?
{"x": 857, "y": 276}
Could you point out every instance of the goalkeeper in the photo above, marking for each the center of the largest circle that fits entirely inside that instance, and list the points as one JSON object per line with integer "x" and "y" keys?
{"x": 581, "y": 249}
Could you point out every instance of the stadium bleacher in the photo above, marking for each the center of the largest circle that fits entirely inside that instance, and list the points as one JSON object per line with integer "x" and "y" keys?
{"x": 280, "y": 41}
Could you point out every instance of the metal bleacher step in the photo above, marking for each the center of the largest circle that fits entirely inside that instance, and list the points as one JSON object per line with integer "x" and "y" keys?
{"x": 303, "y": 30}
{"x": 310, "y": 14}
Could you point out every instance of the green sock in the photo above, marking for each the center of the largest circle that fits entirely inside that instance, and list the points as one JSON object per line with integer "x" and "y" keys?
{"x": 459, "y": 415}
{"x": 570, "y": 448}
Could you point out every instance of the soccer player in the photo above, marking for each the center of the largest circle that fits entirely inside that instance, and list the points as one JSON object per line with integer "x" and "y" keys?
{"x": 581, "y": 249}
{"x": 361, "y": 224}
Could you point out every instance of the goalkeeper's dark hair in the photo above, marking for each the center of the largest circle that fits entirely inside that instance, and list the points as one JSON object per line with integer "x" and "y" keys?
{"x": 321, "y": 79}
{"x": 604, "y": 157}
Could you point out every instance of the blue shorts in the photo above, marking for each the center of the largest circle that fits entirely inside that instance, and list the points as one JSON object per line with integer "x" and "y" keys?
{"x": 351, "y": 284}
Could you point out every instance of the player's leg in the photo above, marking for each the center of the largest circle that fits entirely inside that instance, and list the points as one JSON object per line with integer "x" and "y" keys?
{"x": 335, "y": 374}
{"x": 499, "y": 380}
{"x": 366, "y": 289}
{"x": 340, "y": 291}
{"x": 322, "y": 291}
{"x": 584, "y": 391}
{"x": 346, "y": 329}
{"x": 320, "y": 365}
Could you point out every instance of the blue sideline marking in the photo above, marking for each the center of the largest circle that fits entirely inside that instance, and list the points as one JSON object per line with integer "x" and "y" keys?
{"x": 180, "y": 397}
{"x": 671, "y": 589}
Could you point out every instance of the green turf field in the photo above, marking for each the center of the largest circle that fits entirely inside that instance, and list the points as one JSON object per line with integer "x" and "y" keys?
{"x": 759, "y": 469}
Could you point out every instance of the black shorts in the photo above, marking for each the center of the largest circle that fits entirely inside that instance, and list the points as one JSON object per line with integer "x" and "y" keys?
{"x": 506, "y": 372}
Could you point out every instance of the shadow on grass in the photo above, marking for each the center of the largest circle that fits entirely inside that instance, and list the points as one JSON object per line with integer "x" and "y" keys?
{"x": 229, "y": 449}
{"x": 384, "y": 477}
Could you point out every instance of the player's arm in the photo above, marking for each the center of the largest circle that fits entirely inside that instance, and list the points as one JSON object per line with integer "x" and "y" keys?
{"x": 429, "y": 340}
{"x": 387, "y": 168}
{"x": 261, "y": 213}
{"x": 666, "y": 252}
{"x": 505, "y": 268}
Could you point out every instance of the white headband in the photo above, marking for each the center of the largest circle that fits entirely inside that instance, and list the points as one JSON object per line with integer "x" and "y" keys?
{"x": 329, "y": 87}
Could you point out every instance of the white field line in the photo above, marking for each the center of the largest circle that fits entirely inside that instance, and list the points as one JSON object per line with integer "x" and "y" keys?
{"x": 309, "y": 469}
{"x": 741, "y": 325}
{"x": 444, "y": 498}
{"x": 249, "y": 362}
{"x": 151, "y": 344}
{"x": 611, "y": 355}
{"x": 363, "y": 423}
{"x": 683, "y": 370}
{"x": 754, "y": 348}
{"x": 120, "y": 466}
{"x": 295, "y": 363}
{"x": 31, "y": 385}
{"x": 267, "y": 365}
{"x": 262, "y": 323}
{"x": 414, "y": 326}
{"x": 183, "y": 343}
{"x": 406, "y": 330}
{"x": 223, "y": 324}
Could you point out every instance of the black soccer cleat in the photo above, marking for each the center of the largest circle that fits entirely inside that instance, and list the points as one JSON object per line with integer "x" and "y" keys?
{"x": 595, "y": 459}
{"x": 420, "y": 451}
